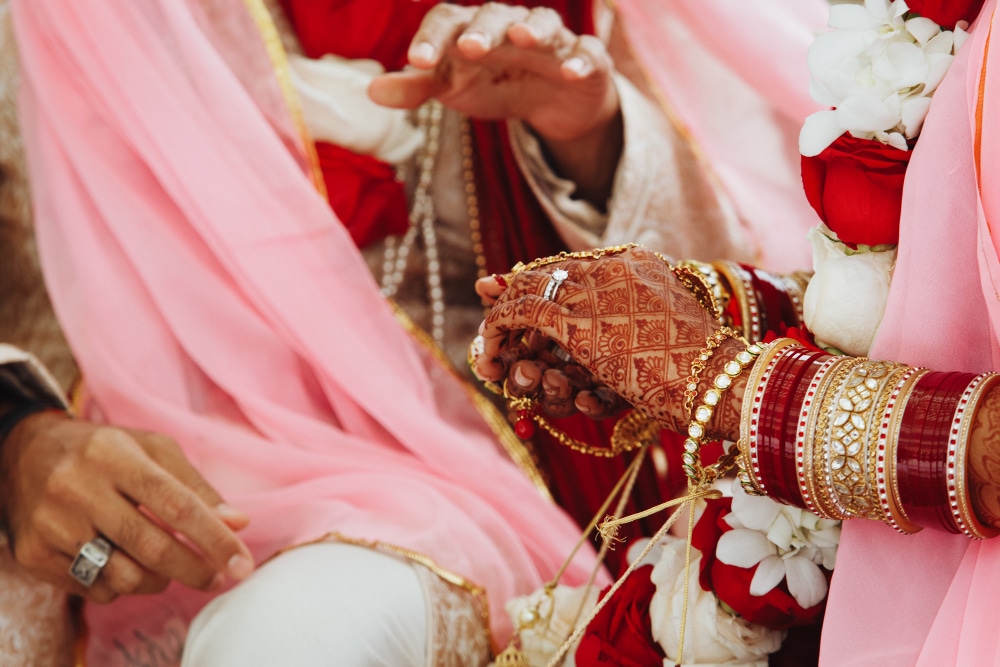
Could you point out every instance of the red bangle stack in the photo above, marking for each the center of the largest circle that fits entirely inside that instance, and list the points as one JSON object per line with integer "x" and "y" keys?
{"x": 760, "y": 301}
{"x": 921, "y": 455}
{"x": 779, "y": 421}
{"x": 846, "y": 438}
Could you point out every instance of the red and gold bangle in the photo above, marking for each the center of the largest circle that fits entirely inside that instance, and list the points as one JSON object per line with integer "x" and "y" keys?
{"x": 795, "y": 287}
{"x": 749, "y": 475}
{"x": 741, "y": 288}
{"x": 922, "y": 448}
{"x": 887, "y": 480}
{"x": 780, "y": 408}
{"x": 774, "y": 299}
{"x": 958, "y": 446}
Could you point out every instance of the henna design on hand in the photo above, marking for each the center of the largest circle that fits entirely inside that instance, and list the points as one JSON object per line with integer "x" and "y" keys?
{"x": 625, "y": 317}
{"x": 984, "y": 460}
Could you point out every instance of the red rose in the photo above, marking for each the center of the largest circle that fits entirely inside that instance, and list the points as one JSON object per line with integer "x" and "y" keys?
{"x": 800, "y": 335}
{"x": 621, "y": 635}
{"x": 856, "y": 187}
{"x": 776, "y": 610}
{"x": 946, "y": 13}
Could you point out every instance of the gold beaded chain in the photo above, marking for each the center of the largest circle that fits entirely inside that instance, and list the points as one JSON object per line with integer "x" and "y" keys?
{"x": 520, "y": 267}
{"x": 633, "y": 431}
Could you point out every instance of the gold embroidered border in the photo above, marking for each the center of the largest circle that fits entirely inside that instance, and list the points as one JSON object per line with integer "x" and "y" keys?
{"x": 518, "y": 451}
{"x": 279, "y": 61}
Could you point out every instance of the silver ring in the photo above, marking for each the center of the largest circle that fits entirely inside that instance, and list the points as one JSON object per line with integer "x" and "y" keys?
{"x": 90, "y": 560}
{"x": 558, "y": 276}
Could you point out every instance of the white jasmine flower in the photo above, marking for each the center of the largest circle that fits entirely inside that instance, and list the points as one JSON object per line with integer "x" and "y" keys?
{"x": 785, "y": 543}
{"x": 879, "y": 69}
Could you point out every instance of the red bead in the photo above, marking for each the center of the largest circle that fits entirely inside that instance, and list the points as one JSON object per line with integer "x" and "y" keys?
{"x": 524, "y": 428}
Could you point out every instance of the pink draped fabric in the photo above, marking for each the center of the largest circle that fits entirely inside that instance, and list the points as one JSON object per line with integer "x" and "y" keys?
{"x": 930, "y": 599}
{"x": 209, "y": 293}
{"x": 735, "y": 75}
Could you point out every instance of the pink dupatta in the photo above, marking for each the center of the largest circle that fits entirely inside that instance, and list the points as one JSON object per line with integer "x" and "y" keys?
{"x": 930, "y": 599}
{"x": 209, "y": 294}
{"x": 735, "y": 75}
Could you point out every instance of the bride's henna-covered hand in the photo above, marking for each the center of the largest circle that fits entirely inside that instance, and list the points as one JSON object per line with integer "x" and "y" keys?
{"x": 624, "y": 317}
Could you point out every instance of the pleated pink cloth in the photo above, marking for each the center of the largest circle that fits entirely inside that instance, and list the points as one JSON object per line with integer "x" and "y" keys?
{"x": 931, "y": 599}
{"x": 210, "y": 294}
{"x": 735, "y": 74}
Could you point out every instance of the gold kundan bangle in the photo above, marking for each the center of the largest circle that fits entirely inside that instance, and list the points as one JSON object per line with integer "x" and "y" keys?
{"x": 826, "y": 402}
{"x": 741, "y": 288}
{"x": 698, "y": 429}
{"x": 805, "y": 440}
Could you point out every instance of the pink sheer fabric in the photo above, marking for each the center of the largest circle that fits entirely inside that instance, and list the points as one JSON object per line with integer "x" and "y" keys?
{"x": 930, "y": 599}
{"x": 209, "y": 293}
{"x": 735, "y": 74}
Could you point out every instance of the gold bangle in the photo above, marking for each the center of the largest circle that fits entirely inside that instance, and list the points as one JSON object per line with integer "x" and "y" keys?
{"x": 749, "y": 474}
{"x": 822, "y": 498}
{"x": 850, "y": 438}
{"x": 712, "y": 278}
{"x": 741, "y": 288}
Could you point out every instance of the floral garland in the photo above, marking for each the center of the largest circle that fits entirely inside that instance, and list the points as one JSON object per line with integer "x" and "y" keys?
{"x": 878, "y": 69}
{"x": 758, "y": 569}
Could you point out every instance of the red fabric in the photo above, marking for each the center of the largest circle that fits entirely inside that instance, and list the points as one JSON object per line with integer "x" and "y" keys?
{"x": 376, "y": 29}
{"x": 364, "y": 193}
{"x": 581, "y": 482}
{"x": 947, "y": 13}
{"x": 621, "y": 634}
{"x": 856, "y": 187}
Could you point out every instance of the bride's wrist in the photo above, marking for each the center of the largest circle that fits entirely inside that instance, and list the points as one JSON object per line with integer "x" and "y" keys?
{"x": 725, "y": 422}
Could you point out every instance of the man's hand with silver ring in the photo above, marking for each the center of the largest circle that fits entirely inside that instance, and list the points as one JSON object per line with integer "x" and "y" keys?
{"x": 90, "y": 560}
{"x": 101, "y": 511}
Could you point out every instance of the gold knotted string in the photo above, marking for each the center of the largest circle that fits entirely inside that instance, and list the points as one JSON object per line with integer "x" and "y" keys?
{"x": 688, "y": 501}
{"x": 512, "y": 655}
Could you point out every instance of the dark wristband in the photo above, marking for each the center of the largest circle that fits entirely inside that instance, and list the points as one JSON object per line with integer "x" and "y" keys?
{"x": 14, "y": 416}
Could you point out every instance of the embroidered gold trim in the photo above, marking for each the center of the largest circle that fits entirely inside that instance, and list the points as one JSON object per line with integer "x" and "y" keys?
{"x": 279, "y": 61}
{"x": 518, "y": 451}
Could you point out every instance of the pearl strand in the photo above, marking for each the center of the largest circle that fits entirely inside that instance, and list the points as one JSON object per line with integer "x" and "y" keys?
{"x": 422, "y": 219}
